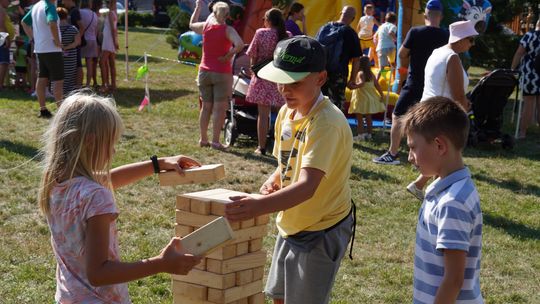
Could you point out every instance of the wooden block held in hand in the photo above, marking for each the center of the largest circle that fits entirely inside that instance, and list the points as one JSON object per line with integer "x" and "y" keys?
{"x": 193, "y": 219}
{"x": 202, "y": 174}
{"x": 208, "y": 237}
{"x": 192, "y": 291}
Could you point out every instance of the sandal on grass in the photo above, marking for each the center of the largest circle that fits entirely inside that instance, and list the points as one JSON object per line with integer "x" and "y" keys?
{"x": 203, "y": 144}
{"x": 219, "y": 146}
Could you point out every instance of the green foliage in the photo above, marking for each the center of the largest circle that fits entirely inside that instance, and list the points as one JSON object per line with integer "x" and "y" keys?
{"x": 136, "y": 19}
{"x": 179, "y": 24}
{"x": 494, "y": 50}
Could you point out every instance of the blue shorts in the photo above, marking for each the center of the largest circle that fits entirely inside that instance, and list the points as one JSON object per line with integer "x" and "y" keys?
{"x": 4, "y": 55}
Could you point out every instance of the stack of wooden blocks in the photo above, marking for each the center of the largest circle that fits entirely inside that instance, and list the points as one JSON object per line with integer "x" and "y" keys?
{"x": 232, "y": 273}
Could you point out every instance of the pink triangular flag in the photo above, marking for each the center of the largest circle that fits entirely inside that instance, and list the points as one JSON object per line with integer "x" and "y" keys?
{"x": 144, "y": 103}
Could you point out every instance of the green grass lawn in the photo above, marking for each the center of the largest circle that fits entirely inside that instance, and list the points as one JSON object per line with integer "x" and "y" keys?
{"x": 381, "y": 272}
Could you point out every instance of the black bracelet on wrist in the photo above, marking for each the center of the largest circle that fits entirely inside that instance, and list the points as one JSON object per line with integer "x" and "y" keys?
{"x": 155, "y": 163}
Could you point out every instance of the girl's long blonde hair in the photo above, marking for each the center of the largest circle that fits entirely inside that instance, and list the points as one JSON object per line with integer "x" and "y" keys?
{"x": 79, "y": 142}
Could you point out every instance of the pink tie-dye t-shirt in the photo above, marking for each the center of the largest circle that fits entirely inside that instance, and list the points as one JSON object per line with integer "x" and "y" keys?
{"x": 72, "y": 203}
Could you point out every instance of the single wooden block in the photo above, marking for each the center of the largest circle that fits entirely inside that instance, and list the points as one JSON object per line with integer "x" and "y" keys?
{"x": 181, "y": 299}
{"x": 235, "y": 293}
{"x": 257, "y": 298}
{"x": 242, "y": 301}
{"x": 192, "y": 291}
{"x": 205, "y": 278}
{"x": 242, "y": 248}
{"x": 255, "y": 245}
{"x": 248, "y": 234}
{"x": 243, "y": 277}
{"x": 242, "y": 262}
{"x": 182, "y": 203}
{"x": 193, "y": 219}
{"x": 247, "y": 223}
{"x": 208, "y": 237}
{"x": 181, "y": 230}
{"x": 201, "y": 265}
{"x": 200, "y": 207}
{"x": 258, "y": 273}
{"x": 202, "y": 174}
{"x": 262, "y": 219}
{"x": 218, "y": 197}
{"x": 223, "y": 253}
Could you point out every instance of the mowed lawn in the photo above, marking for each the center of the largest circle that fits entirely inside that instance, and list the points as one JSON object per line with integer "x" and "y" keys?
{"x": 382, "y": 268}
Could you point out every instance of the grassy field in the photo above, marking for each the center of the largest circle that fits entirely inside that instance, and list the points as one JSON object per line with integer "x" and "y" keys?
{"x": 381, "y": 271}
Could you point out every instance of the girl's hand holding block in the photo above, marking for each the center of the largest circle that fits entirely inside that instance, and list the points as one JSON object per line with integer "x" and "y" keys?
{"x": 175, "y": 260}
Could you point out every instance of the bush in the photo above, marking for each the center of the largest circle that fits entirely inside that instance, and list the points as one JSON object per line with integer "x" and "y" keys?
{"x": 179, "y": 24}
{"x": 494, "y": 50}
{"x": 136, "y": 19}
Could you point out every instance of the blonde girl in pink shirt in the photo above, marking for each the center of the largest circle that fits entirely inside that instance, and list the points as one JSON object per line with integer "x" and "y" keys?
{"x": 76, "y": 197}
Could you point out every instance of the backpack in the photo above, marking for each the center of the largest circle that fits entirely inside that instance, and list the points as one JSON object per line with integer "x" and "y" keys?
{"x": 331, "y": 37}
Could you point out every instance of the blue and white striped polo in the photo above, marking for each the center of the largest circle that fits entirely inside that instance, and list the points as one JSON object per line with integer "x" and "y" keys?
{"x": 450, "y": 218}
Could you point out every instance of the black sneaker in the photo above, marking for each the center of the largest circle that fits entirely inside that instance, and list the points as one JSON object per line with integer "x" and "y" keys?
{"x": 387, "y": 159}
{"x": 45, "y": 113}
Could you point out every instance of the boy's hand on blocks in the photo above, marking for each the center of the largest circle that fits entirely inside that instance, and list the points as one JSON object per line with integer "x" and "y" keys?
{"x": 175, "y": 260}
{"x": 178, "y": 163}
{"x": 242, "y": 208}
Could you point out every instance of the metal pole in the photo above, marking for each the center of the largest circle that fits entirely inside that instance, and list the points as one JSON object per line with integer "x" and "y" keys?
{"x": 126, "y": 3}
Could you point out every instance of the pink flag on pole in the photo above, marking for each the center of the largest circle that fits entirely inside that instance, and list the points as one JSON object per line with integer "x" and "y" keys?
{"x": 144, "y": 103}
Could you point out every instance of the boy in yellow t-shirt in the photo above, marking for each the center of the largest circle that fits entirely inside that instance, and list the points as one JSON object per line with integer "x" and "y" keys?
{"x": 310, "y": 186}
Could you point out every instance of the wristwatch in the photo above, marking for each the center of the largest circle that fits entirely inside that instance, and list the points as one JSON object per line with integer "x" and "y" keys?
{"x": 155, "y": 163}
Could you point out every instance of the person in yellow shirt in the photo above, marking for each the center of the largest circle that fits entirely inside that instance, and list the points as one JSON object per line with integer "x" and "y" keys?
{"x": 310, "y": 186}
{"x": 6, "y": 27}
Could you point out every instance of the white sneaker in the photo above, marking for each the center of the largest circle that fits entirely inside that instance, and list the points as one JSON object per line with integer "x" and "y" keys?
{"x": 418, "y": 193}
{"x": 362, "y": 137}
{"x": 33, "y": 94}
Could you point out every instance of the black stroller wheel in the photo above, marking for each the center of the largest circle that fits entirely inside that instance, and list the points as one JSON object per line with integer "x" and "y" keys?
{"x": 507, "y": 142}
{"x": 230, "y": 133}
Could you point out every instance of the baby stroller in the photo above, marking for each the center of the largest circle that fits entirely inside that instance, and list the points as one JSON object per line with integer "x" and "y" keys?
{"x": 488, "y": 98}
{"x": 241, "y": 118}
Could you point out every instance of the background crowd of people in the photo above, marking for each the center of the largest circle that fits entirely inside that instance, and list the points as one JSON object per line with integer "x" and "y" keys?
{"x": 49, "y": 42}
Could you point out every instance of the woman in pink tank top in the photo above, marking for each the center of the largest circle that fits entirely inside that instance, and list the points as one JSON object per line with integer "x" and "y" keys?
{"x": 220, "y": 43}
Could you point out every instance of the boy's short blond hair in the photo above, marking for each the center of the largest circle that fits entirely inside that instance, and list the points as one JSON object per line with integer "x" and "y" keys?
{"x": 437, "y": 116}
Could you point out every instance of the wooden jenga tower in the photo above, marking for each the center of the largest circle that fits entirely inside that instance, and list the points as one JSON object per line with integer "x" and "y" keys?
{"x": 232, "y": 273}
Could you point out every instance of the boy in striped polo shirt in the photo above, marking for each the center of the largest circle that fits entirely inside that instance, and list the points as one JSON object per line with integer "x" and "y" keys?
{"x": 449, "y": 229}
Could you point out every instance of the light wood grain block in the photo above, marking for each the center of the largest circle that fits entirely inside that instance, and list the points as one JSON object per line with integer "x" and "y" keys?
{"x": 200, "y": 175}
{"x": 242, "y": 248}
{"x": 224, "y": 253}
{"x": 235, "y": 293}
{"x": 210, "y": 236}
{"x": 242, "y": 262}
{"x": 243, "y": 277}
{"x": 200, "y": 207}
{"x": 182, "y": 230}
{"x": 257, "y": 298}
{"x": 193, "y": 219}
{"x": 255, "y": 245}
{"x": 242, "y": 301}
{"x": 192, "y": 291}
{"x": 258, "y": 273}
{"x": 218, "y": 198}
{"x": 248, "y": 234}
{"x": 247, "y": 223}
{"x": 262, "y": 220}
{"x": 205, "y": 278}
{"x": 182, "y": 299}
{"x": 183, "y": 203}
{"x": 201, "y": 265}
